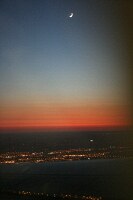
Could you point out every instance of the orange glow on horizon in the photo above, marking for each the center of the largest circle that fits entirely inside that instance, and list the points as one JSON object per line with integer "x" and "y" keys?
{"x": 62, "y": 117}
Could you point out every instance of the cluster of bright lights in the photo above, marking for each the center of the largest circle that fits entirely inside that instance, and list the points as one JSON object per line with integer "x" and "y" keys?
{"x": 66, "y": 155}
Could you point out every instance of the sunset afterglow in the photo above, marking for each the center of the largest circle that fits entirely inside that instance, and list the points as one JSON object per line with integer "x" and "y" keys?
{"x": 60, "y": 71}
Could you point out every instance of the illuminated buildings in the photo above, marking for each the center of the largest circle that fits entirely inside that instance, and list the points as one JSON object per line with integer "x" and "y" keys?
{"x": 65, "y": 155}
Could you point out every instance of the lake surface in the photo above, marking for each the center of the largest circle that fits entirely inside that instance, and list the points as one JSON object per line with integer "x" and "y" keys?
{"x": 111, "y": 179}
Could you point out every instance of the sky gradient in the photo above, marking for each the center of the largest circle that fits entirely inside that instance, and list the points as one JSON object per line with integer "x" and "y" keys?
{"x": 57, "y": 71}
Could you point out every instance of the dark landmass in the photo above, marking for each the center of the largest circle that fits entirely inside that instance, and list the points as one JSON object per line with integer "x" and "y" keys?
{"x": 51, "y": 141}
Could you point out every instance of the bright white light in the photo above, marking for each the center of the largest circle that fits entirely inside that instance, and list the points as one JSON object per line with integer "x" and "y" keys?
{"x": 71, "y": 15}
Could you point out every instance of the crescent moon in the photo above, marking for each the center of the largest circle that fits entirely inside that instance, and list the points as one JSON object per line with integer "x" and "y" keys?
{"x": 71, "y": 15}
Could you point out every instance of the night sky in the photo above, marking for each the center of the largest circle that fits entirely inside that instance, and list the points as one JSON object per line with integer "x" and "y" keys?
{"x": 57, "y": 71}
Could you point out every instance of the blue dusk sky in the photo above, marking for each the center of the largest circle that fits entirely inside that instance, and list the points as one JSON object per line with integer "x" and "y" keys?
{"x": 62, "y": 71}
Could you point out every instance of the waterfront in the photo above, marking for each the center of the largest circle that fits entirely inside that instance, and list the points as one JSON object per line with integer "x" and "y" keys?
{"x": 66, "y": 155}
{"x": 109, "y": 179}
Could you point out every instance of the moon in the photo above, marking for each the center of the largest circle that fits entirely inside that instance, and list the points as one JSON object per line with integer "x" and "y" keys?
{"x": 71, "y": 15}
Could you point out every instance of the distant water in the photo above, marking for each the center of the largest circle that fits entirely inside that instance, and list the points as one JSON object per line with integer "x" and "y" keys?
{"x": 111, "y": 179}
